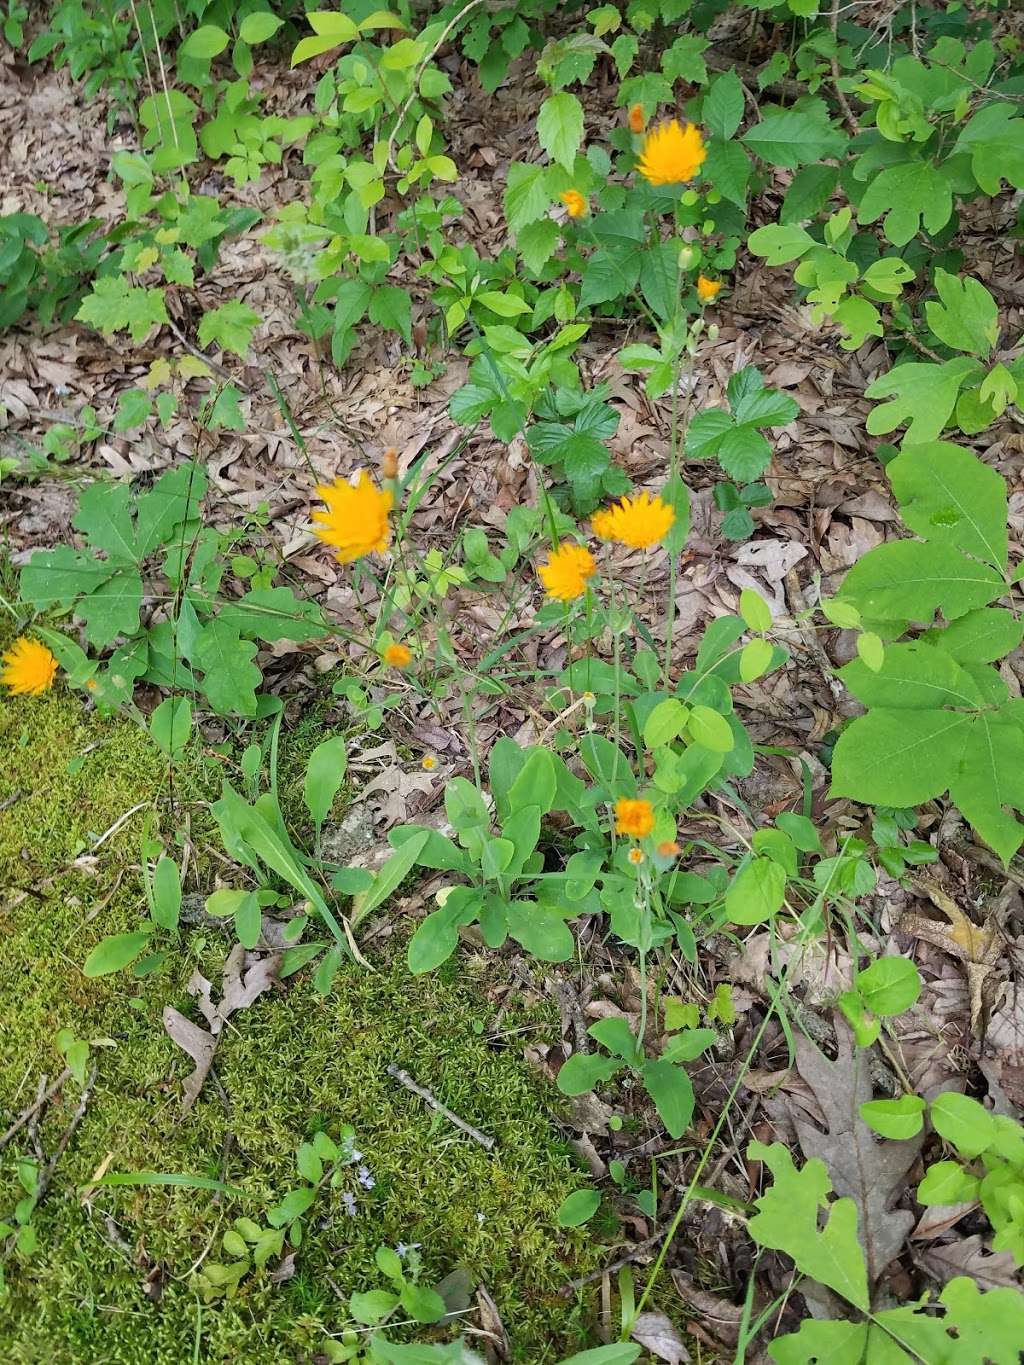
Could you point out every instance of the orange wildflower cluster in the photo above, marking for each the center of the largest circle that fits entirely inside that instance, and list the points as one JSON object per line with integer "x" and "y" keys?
{"x": 29, "y": 668}
{"x": 356, "y": 520}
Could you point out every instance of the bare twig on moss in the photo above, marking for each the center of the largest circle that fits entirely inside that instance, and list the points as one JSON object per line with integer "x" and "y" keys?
{"x": 34, "y": 1107}
{"x": 403, "y": 1078}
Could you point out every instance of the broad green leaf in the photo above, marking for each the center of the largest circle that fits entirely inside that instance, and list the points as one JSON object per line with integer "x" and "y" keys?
{"x": 391, "y": 307}
{"x": 683, "y": 61}
{"x": 207, "y": 41}
{"x": 912, "y": 676}
{"x": 981, "y": 636}
{"x": 540, "y": 931}
{"x": 728, "y": 169}
{"x": 560, "y": 128}
{"x": 610, "y": 273}
{"x": 910, "y": 195}
{"x": 577, "y": 1208}
{"x": 898, "y": 1119}
{"x": 112, "y": 608}
{"x": 527, "y": 198}
{"x": 173, "y": 500}
{"x": 946, "y": 1182}
{"x": 583, "y": 1071}
{"x": 779, "y": 243}
{"x": 788, "y": 1220}
{"x": 898, "y": 758}
{"x": 104, "y": 516}
{"x": 795, "y": 138}
{"x": 755, "y": 610}
{"x": 705, "y": 433}
{"x": 752, "y": 402}
{"x": 948, "y": 496}
{"x": 273, "y": 614}
{"x": 963, "y": 1122}
{"x": 744, "y": 453}
{"x": 325, "y": 773}
{"x": 231, "y": 326}
{"x": 60, "y": 576}
{"x": 994, "y": 137}
{"x": 257, "y": 28}
{"x": 722, "y": 110}
{"x": 115, "y": 305}
{"x": 756, "y": 893}
{"x": 838, "y": 1343}
{"x": 171, "y": 725}
{"x": 711, "y": 730}
{"x": 672, "y": 1092}
{"x": 922, "y": 395}
{"x": 114, "y": 953}
{"x": 889, "y": 986}
{"x": 537, "y": 243}
{"x": 990, "y": 781}
{"x": 967, "y": 319}
{"x": 906, "y": 580}
{"x": 230, "y": 678}
{"x": 755, "y": 659}
{"x": 665, "y": 723}
{"x": 871, "y": 652}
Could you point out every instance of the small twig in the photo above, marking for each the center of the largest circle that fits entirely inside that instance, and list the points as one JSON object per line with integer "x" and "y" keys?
{"x": 403, "y": 1078}
{"x": 569, "y": 1289}
{"x": 33, "y": 1123}
{"x": 844, "y": 103}
{"x": 36, "y": 1104}
{"x": 213, "y": 364}
{"x": 66, "y": 1136}
{"x": 121, "y": 820}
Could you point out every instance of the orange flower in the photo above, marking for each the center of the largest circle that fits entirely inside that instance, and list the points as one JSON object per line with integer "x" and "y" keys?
{"x": 567, "y": 571}
{"x": 356, "y": 520}
{"x": 398, "y": 656}
{"x": 707, "y": 290}
{"x": 635, "y": 857}
{"x": 669, "y": 849}
{"x": 634, "y": 817}
{"x": 672, "y": 154}
{"x": 637, "y": 122}
{"x": 575, "y": 203}
{"x": 429, "y": 763}
{"x": 639, "y": 522}
{"x": 29, "y": 668}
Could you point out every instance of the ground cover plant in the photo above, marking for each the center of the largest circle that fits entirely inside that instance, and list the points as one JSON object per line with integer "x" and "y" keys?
{"x": 511, "y": 665}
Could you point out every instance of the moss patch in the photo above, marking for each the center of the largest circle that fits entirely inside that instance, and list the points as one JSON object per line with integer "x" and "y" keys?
{"x": 288, "y": 1065}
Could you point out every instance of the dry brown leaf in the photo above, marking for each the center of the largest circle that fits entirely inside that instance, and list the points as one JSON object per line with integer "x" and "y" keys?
{"x": 656, "y": 1333}
{"x": 988, "y": 1269}
{"x": 979, "y": 947}
{"x": 870, "y": 1172}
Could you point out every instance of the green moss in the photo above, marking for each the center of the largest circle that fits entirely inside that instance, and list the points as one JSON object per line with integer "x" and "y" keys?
{"x": 287, "y": 1065}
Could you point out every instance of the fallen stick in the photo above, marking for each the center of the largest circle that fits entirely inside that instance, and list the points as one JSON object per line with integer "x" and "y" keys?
{"x": 36, "y": 1104}
{"x": 403, "y": 1078}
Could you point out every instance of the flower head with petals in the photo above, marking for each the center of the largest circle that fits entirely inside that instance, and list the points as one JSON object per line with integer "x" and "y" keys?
{"x": 29, "y": 668}
{"x": 566, "y": 572}
{"x": 639, "y": 521}
{"x": 356, "y": 520}
{"x": 575, "y": 203}
{"x": 707, "y": 290}
{"x": 635, "y": 818}
{"x": 672, "y": 154}
{"x": 397, "y": 656}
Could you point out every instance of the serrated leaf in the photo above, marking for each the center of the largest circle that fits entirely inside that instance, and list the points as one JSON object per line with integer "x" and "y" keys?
{"x": 231, "y": 326}
{"x": 230, "y": 678}
{"x": 560, "y": 128}
{"x": 795, "y": 138}
{"x": 722, "y": 110}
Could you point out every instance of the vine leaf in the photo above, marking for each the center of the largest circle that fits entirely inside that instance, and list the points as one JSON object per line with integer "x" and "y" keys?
{"x": 870, "y": 1172}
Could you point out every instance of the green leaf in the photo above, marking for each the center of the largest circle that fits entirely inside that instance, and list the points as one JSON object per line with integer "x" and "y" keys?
{"x": 104, "y": 516}
{"x": 722, "y": 110}
{"x": 744, "y": 453}
{"x": 908, "y": 581}
{"x": 112, "y": 608}
{"x": 577, "y": 1208}
{"x": 171, "y": 725}
{"x": 665, "y": 723}
{"x": 560, "y": 128}
{"x": 752, "y": 402}
{"x": 230, "y": 678}
{"x": 391, "y": 307}
{"x": 683, "y": 62}
{"x": 990, "y": 779}
{"x": 809, "y": 191}
{"x": 871, "y": 652}
{"x": 672, "y": 1092}
{"x": 609, "y": 274}
{"x": 963, "y": 1122}
{"x": 994, "y": 137}
{"x": 756, "y": 893}
{"x": 248, "y": 920}
{"x": 231, "y": 326}
{"x": 257, "y": 28}
{"x": 325, "y": 773}
{"x": 207, "y": 41}
{"x": 967, "y": 319}
{"x": 910, "y": 195}
{"x": 898, "y": 1119}
{"x": 618, "y": 1354}
{"x": 755, "y": 659}
{"x": 889, "y": 986}
{"x": 795, "y": 138}
{"x": 114, "y": 953}
{"x": 912, "y": 676}
{"x": 527, "y": 198}
{"x": 585, "y": 1070}
{"x": 273, "y": 614}
{"x": 505, "y": 305}
{"x": 166, "y": 893}
{"x": 788, "y": 1221}
{"x": 779, "y": 244}
{"x": 114, "y": 305}
{"x": 537, "y": 243}
{"x": 946, "y": 1182}
{"x": 541, "y": 932}
{"x": 711, "y": 730}
{"x": 728, "y": 168}
{"x": 393, "y": 873}
{"x": 923, "y": 396}
{"x": 173, "y": 500}
{"x": 981, "y": 636}
{"x": 898, "y": 758}
{"x": 950, "y": 497}
{"x": 705, "y": 433}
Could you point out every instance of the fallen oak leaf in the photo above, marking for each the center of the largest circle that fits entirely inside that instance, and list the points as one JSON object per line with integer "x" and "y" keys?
{"x": 656, "y": 1334}
{"x": 199, "y": 1045}
{"x": 868, "y": 1171}
{"x": 969, "y": 1256}
{"x": 979, "y": 947}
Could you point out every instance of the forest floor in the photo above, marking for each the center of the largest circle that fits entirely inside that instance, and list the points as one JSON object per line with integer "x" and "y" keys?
{"x": 113, "y": 1278}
